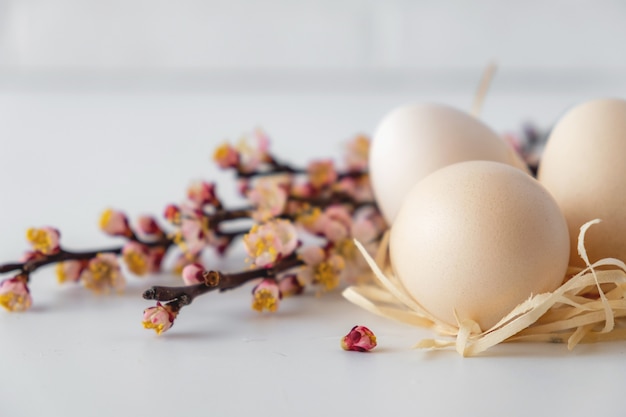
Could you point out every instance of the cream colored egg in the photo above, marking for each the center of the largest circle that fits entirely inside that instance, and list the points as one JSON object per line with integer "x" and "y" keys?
{"x": 413, "y": 141}
{"x": 478, "y": 238}
{"x": 584, "y": 167}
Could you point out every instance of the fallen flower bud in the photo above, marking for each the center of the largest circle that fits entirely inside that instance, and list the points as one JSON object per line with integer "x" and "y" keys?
{"x": 360, "y": 339}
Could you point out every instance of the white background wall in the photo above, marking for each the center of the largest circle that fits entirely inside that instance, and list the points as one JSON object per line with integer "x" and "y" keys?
{"x": 319, "y": 35}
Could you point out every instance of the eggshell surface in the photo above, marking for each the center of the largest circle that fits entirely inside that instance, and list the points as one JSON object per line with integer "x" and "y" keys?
{"x": 478, "y": 238}
{"x": 584, "y": 167}
{"x": 413, "y": 141}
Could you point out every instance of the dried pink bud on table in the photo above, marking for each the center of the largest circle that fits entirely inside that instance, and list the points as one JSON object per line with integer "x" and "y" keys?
{"x": 360, "y": 339}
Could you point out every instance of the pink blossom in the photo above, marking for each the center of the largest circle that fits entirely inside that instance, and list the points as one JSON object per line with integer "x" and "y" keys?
{"x": 148, "y": 226}
{"x": 44, "y": 239}
{"x": 159, "y": 318}
{"x": 290, "y": 285}
{"x": 266, "y": 296}
{"x": 360, "y": 339}
{"x": 184, "y": 259}
{"x": 15, "y": 295}
{"x": 69, "y": 271}
{"x": 269, "y": 199}
{"x": 269, "y": 242}
{"x": 201, "y": 193}
{"x": 193, "y": 274}
{"x": 253, "y": 153}
{"x": 322, "y": 173}
{"x": 103, "y": 273}
{"x": 194, "y": 236}
{"x": 115, "y": 223}
{"x": 334, "y": 223}
{"x": 136, "y": 257}
{"x": 226, "y": 156}
{"x": 172, "y": 214}
{"x": 325, "y": 272}
{"x": 364, "y": 229}
{"x": 263, "y": 141}
{"x": 312, "y": 255}
{"x": 357, "y": 153}
{"x": 194, "y": 230}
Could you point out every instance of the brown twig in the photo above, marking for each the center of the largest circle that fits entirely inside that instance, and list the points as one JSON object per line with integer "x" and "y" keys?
{"x": 216, "y": 280}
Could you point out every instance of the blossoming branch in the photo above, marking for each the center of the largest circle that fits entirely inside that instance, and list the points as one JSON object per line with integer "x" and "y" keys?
{"x": 286, "y": 203}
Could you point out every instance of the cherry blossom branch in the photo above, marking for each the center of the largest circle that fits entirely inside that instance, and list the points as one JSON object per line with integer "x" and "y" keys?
{"x": 39, "y": 260}
{"x": 216, "y": 280}
{"x": 32, "y": 265}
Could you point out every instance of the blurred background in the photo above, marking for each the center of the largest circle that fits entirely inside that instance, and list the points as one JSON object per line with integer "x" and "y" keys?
{"x": 310, "y": 43}
{"x": 120, "y": 103}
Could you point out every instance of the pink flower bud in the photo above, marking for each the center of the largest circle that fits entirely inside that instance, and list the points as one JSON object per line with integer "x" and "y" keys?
{"x": 322, "y": 173}
{"x": 290, "y": 285}
{"x": 312, "y": 255}
{"x": 136, "y": 257}
{"x": 360, "y": 339}
{"x": 357, "y": 153}
{"x": 201, "y": 193}
{"x": 263, "y": 141}
{"x": 266, "y": 296}
{"x": 226, "y": 156}
{"x": 69, "y": 271}
{"x": 115, "y": 223}
{"x": 172, "y": 214}
{"x": 252, "y": 152}
{"x": 364, "y": 230}
{"x": 15, "y": 295}
{"x": 184, "y": 259}
{"x": 44, "y": 240}
{"x": 269, "y": 199}
{"x": 159, "y": 318}
{"x": 334, "y": 223}
{"x": 194, "y": 235}
{"x": 192, "y": 274}
{"x": 148, "y": 226}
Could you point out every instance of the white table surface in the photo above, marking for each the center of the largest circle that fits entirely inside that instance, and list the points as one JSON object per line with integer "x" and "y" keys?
{"x": 65, "y": 155}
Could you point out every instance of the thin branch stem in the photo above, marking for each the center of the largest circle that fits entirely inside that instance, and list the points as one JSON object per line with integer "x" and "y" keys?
{"x": 64, "y": 255}
{"x": 216, "y": 280}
